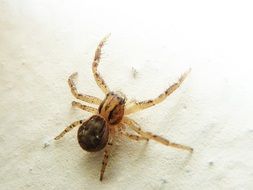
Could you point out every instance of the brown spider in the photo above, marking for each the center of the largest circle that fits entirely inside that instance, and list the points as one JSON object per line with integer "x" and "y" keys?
{"x": 97, "y": 132}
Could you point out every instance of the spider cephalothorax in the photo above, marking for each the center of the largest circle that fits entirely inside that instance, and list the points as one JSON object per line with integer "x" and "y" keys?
{"x": 112, "y": 108}
{"x": 110, "y": 118}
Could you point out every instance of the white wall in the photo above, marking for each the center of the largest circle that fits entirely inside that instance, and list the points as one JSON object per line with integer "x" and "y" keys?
{"x": 43, "y": 42}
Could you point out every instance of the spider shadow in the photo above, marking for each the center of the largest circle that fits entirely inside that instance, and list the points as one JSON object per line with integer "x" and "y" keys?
{"x": 185, "y": 161}
{"x": 92, "y": 162}
{"x": 180, "y": 165}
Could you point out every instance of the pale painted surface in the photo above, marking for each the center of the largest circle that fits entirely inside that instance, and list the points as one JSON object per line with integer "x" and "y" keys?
{"x": 43, "y": 42}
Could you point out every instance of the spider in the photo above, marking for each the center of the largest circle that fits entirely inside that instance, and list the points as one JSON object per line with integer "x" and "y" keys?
{"x": 110, "y": 118}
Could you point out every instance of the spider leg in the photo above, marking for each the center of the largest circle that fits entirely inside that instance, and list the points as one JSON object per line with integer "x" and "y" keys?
{"x": 84, "y": 107}
{"x": 136, "y": 127}
{"x": 99, "y": 80}
{"x": 67, "y": 129}
{"x": 106, "y": 155}
{"x": 134, "y": 137}
{"x": 83, "y": 97}
{"x": 129, "y": 135}
{"x": 134, "y": 106}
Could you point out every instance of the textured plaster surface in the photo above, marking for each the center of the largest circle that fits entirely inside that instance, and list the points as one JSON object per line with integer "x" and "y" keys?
{"x": 43, "y": 42}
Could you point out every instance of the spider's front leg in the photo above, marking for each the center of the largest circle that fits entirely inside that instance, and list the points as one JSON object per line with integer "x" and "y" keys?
{"x": 84, "y": 107}
{"x": 99, "y": 80}
{"x": 132, "y": 107}
{"x": 136, "y": 127}
{"x": 83, "y": 97}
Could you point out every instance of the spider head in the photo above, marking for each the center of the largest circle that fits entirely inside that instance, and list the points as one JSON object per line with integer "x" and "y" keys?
{"x": 112, "y": 108}
{"x": 93, "y": 134}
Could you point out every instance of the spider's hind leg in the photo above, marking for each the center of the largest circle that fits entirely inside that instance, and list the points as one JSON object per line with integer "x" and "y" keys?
{"x": 135, "y": 126}
{"x": 73, "y": 125}
{"x": 134, "y": 137}
{"x": 129, "y": 135}
{"x": 106, "y": 155}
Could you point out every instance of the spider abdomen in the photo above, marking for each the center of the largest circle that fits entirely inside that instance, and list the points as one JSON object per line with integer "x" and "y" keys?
{"x": 93, "y": 134}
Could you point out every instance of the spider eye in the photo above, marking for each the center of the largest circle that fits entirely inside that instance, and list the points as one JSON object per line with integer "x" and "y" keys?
{"x": 93, "y": 134}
